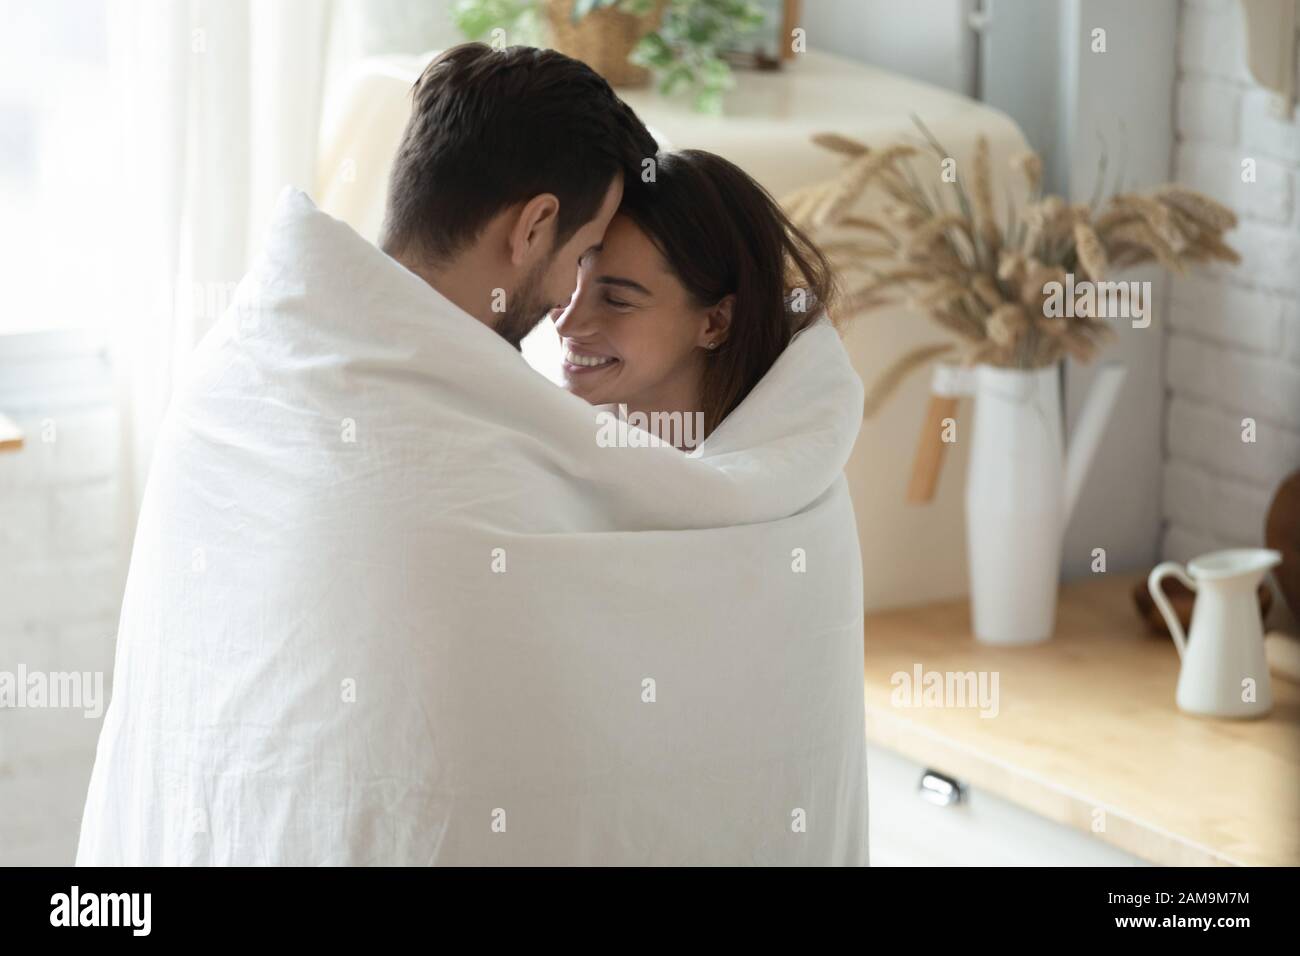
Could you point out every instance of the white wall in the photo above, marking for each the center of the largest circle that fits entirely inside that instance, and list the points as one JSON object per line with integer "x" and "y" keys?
{"x": 1234, "y": 339}
{"x": 1039, "y": 64}
{"x": 1172, "y": 99}
{"x": 61, "y": 577}
{"x": 1120, "y": 101}
{"x": 926, "y": 39}
{"x": 1025, "y": 54}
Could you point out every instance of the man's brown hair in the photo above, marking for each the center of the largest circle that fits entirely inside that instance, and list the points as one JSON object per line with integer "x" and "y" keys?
{"x": 491, "y": 128}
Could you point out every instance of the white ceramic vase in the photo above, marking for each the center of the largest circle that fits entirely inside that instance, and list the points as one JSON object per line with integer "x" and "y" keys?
{"x": 1020, "y": 489}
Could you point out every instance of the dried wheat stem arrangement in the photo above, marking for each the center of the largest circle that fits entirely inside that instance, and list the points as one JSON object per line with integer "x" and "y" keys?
{"x": 942, "y": 250}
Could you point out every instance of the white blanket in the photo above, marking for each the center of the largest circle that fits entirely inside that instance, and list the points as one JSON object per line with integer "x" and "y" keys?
{"x": 391, "y": 602}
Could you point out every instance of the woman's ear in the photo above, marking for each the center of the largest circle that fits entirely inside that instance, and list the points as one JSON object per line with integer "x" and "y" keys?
{"x": 533, "y": 231}
{"x": 717, "y": 323}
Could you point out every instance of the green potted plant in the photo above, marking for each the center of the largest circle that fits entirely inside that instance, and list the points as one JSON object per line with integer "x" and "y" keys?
{"x": 679, "y": 42}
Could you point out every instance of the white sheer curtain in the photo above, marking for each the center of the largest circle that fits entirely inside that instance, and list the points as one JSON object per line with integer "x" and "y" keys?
{"x": 220, "y": 104}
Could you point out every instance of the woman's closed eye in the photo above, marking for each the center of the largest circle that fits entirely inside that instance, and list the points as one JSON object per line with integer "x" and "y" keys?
{"x": 614, "y": 292}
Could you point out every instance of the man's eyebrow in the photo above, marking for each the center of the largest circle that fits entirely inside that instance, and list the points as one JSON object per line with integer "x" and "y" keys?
{"x": 624, "y": 283}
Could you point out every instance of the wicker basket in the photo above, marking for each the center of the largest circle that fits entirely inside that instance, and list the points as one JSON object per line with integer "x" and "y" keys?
{"x": 602, "y": 39}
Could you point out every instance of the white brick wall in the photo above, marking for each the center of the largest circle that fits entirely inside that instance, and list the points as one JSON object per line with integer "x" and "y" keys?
{"x": 1234, "y": 333}
{"x": 61, "y": 579}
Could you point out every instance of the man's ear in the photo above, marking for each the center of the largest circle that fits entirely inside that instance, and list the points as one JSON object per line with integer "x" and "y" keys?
{"x": 533, "y": 232}
{"x": 717, "y": 323}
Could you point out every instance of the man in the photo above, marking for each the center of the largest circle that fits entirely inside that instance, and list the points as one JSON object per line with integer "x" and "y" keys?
{"x": 511, "y": 167}
{"x": 287, "y": 448}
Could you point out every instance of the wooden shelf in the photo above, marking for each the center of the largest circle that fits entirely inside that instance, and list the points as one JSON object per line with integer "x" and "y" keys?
{"x": 1087, "y": 733}
{"x": 11, "y": 436}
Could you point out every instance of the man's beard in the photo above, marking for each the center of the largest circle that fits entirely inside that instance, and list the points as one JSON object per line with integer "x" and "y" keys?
{"x": 525, "y": 307}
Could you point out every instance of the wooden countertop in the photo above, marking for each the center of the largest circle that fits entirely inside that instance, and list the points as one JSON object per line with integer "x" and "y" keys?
{"x": 1086, "y": 722}
{"x": 11, "y": 436}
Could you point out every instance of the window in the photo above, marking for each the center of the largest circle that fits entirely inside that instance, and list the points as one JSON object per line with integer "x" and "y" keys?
{"x": 56, "y": 147}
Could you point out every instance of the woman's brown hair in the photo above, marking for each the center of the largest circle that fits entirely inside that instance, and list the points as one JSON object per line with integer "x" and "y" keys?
{"x": 723, "y": 234}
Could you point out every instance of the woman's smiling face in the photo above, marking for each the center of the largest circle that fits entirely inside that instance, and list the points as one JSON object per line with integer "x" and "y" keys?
{"x": 631, "y": 334}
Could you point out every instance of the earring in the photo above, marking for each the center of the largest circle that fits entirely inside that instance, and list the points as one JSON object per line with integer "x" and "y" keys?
{"x": 713, "y": 345}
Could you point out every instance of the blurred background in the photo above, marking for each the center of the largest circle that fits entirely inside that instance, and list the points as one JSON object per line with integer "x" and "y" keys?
{"x": 143, "y": 144}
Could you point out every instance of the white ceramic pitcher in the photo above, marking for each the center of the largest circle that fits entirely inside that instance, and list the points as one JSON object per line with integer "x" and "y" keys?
{"x": 1224, "y": 671}
{"x": 1021, "y": 487}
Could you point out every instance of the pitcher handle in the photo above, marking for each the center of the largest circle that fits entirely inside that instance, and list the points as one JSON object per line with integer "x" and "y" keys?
{"x": 1160, "y": 571}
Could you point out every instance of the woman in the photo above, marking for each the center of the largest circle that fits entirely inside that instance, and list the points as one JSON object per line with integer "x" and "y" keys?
{"x": 700, "y": 283}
